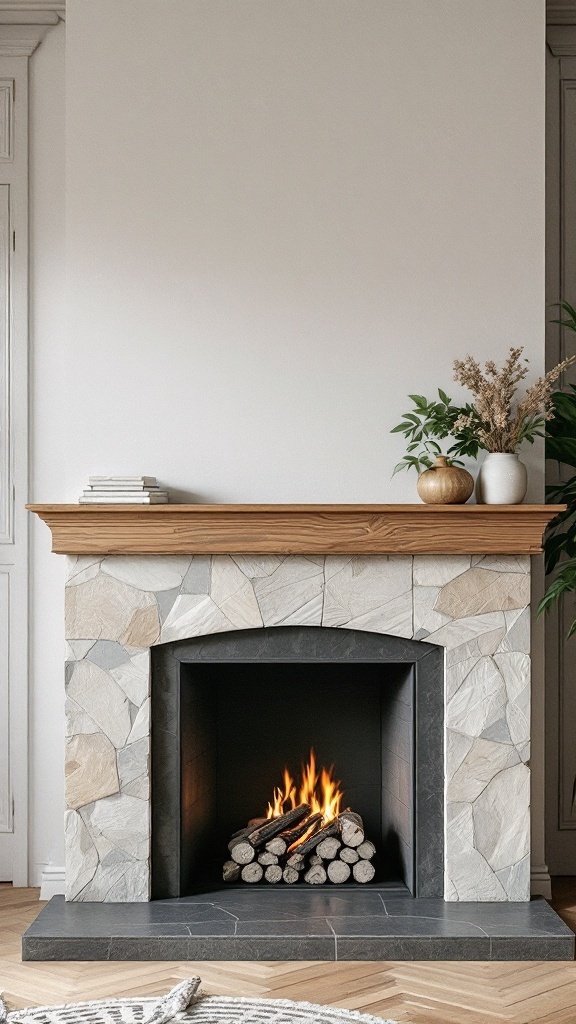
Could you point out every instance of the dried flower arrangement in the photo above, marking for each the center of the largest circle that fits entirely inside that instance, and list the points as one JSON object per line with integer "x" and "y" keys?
{"x": 498, "y": 422}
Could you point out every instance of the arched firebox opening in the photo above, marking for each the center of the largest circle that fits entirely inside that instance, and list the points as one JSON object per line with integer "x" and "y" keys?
{"x": 230, "y": 711}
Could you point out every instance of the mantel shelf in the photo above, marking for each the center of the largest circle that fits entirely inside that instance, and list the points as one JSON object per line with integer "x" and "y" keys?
{"x": 296, "y": 529}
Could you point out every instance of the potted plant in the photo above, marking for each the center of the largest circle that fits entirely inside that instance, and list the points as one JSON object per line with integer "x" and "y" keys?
{"x": 441, "y": 480}
{"x": 501, "y": 423}
{"x": 560, "y": 540}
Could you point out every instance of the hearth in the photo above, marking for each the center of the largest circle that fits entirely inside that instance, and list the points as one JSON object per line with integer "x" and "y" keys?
{"x": 229, "y": 711}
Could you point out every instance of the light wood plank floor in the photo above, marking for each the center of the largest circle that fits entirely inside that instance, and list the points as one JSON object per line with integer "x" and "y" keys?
{"x": 413, "y": 993}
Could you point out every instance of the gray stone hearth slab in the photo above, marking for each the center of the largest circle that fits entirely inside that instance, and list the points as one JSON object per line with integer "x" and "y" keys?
{"x": 288, "y": 924}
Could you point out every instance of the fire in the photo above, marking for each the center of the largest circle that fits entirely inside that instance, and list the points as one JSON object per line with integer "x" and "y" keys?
{"x": 317, "y": 788}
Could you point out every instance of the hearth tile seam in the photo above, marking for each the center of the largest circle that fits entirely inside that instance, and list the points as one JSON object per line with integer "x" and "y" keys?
{"x": 451, "y": 920}
{"x": 329, "y": 923}
{"x": 216, "y": 906}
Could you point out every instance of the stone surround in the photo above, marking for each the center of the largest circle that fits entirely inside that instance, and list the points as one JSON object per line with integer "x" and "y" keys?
{"x": 476, "y": 607}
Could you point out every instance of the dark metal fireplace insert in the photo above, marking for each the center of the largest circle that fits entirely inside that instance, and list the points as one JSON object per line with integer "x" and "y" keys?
{"x": 229, "y": 711}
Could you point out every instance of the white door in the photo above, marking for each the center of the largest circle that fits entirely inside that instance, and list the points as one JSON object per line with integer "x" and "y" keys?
{"x": 13, "y": 468}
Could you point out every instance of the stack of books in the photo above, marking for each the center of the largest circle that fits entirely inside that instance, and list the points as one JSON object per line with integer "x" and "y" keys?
{"x": 125, "y": 490}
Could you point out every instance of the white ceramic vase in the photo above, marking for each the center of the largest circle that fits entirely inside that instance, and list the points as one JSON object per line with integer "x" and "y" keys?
{"x": 502, "y": 480}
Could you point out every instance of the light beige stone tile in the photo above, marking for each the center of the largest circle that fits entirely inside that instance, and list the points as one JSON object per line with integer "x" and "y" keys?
{"x": 80, "y": 568}
{"x": 90, "y": 769}
{"x": 77, "y": 721}
{"x": 147, "y": 573}
{"x": 456, "y": 673}
{"x": 124, "y": 821}
{"x": 481, "y": 763}
{"x": 258, "y": 566}
{"x": 108, "y": 879}
{"x": 79, "y": 648}
{"x": 309, "y": 614}
{"x": 143, "y": 629}
{"x": 457, "y": 746}
{"x": 139, "y": 787}
{"x": 193, "y": 615}
{"x": 515, "y": 670}
{"x": 141, "y": 727}
{"x": 133, "y": 761}
{"x": 469, "y": 875}
{"x": 502, "y": 819}
{"x": 516, "y": 880}
{"x": 295, "y": 583}
{"x": 479, "y": 591}
{"x": 461, "y": 632}
{"x": 234, "y": 594}
{"x": 133, "y": 886}
{"x": 505, "y": 563}
{"x": 517, "y": 636}
{"x": 81, "y": 855}
{"x": 437, "y": 570}
{"x": 425, "y": 617}
{"x": 334, "y": 564}
{"x": 394, "y": 617}
{"x": 372, "y": 593}
{"x": 103, "y": 608}
{"x": 133, "y": 677}
{"x": 99, "y": 695}
{"x": 480, "y": 700}
{"x": 488, "y": 643}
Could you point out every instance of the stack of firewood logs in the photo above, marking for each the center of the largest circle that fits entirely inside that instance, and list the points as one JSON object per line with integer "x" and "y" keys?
{"x": 299, "y": 846}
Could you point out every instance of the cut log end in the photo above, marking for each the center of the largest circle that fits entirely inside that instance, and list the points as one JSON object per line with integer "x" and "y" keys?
{"x": 316, "y": 875}
{"x": 231, "y": 871}
{"x": 253, "y": 872}
{"x": 290, "y": 875}
{"x": 328, "y": 848}
{"x": 242, "y": 852}
{"x": 363, "y": 871}
{"x": 273, "y": 874}
{"x": 348, "y": 855}
{"x": 366, "y": 850}
{"x": 338, "y": 871}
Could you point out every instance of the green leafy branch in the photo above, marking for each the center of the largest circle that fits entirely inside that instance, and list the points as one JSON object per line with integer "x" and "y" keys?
{"x": 426, "y": 424}
{"x": 560, "y": 540}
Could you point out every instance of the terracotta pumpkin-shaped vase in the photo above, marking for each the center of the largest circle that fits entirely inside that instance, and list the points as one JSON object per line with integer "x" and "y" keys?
{"x": 444, "y": 484}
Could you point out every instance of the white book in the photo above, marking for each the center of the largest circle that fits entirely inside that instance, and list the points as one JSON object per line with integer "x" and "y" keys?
{"x": 137, "y": 480}
{"x": 131, "y": 488}
{"x": 122, "y": 495}
{"x": 159, "y": 498}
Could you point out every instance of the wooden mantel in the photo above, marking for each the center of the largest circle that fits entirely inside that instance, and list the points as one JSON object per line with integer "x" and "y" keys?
{"x": 296, "y": 529}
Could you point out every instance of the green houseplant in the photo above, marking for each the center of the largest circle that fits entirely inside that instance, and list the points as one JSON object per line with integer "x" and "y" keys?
{"x": 560, "y": 540}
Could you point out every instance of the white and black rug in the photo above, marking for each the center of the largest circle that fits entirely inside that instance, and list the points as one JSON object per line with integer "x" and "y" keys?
{"x": 184, "y": 1004}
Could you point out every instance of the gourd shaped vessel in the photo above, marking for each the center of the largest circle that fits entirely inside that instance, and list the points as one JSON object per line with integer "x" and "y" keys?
{"x": 444, "y": 484}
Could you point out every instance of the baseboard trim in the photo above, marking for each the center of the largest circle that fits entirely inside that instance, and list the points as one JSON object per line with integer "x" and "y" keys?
{"x": 52, "y": 882}
{"x": 540, "y": 881}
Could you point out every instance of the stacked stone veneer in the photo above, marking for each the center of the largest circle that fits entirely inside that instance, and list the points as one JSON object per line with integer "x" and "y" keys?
{"x": 476, "y": 608}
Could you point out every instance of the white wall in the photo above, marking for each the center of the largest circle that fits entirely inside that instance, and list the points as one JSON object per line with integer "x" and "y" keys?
{"x": 283, "y": 216}
{"x": 47, "y": 393}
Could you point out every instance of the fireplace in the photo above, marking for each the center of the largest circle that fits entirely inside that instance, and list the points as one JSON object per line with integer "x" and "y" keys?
{"x": 472, "y": 609}
{"x": 229, "y": 712}
{"x": 369, "y": 633}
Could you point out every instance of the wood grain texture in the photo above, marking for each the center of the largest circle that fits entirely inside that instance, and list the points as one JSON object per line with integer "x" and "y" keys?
{"x": 411, "y": 993}
{"x": 296, "y": 529}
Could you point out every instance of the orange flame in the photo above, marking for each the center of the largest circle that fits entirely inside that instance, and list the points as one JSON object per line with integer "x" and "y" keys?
{"x": 319, "y": 789}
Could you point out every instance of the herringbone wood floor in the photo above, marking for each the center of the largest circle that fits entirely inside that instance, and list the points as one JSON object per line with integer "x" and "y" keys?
{"x": 413, "y": 993}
